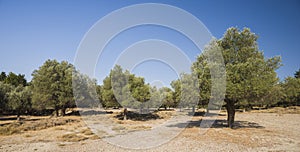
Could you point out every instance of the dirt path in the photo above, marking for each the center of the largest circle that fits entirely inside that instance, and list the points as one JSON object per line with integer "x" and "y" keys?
{"x": 255, "y": 132}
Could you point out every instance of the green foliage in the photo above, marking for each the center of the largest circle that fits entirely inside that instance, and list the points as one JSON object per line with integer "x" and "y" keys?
{"x": 186, "y": 91}
{"x": 166, "y": 94}
{"x": 4, "y": 98}
{"x": 176, "y": 85}
{"x": 85, "y": 90}
{"x": 250, "y": 79}
{"x": 272, "y": 96}
{"x": 125, "y": 89}
{"x": 210, "y": 71}
{"x": 156, "y": 99}
{"x": 297, "y": 74}
{"x": 2, "y": 76}
{"x": 249, "y": 75}
{"x": 17, "y": 99}
{"x": 52, "y": 86}
{"x": 20, "y": 99}
{"x": 8, "y": 85}
{"x": 140, "y": 91}
{"x": 107, "y": 94}
{"x": 15, "y": 79}
{"x": 189, "y": 90}
{"x": 99, "y": 90}
{"x": 291, "y": 89}
{"x": 201, "y": 69}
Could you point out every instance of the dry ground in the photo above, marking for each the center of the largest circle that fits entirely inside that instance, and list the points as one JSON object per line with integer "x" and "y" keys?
{"x": 272, "y": 130}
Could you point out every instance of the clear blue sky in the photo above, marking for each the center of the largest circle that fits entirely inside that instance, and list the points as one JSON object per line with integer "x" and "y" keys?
{"x": 33, "y": 31}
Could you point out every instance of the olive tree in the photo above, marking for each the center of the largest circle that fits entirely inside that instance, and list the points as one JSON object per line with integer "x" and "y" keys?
{"x": 249, "y": 75}
{"x": 52, "y": 86}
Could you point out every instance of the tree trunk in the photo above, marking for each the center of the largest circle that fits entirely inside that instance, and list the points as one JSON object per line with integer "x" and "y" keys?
{"x": 63, "y": 111}
{"x": 230, "y": 113}
{"x": 57, "y": 112}
{"x": 125, "y": 114}
{"x": 193, "y": 109}
{"x": 18, "y": 116}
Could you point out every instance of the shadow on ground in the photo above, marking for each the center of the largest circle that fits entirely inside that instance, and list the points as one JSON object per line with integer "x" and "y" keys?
{"x": 138, "y": 117}
{"x": 9, "y": 118}
{"x": 203, "y": 113}
{"x": 218, "y": 124}
{"x": 90, "y": 112}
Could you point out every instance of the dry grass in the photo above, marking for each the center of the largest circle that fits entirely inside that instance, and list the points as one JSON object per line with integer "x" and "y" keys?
{"x": 10, "y": 129}
{"x": 141, "y": 127}
{"x": 94, "y": 137}
{"x": 165, "y": 114}
{"x": 280, "y": 110}
{"x": 87, "y": 132}
{"x": 29, "y": 125}
{"x": 61, "y": 145}
{"x": 72, "y": 137}
{"x": 28, "y": 135}
{"x": 59, "y": 128}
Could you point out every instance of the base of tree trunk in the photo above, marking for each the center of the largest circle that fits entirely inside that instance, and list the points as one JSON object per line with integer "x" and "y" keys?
{"x": 18, "y": 117}
{"x": 230, "y": 113}
{"x": 56, "y": 113}
{"x": 125, "y": 114}
{"x": 193, "y": 109}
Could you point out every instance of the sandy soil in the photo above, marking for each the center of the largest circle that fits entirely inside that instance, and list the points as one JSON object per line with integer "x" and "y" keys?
{"x": 254, "y": 132}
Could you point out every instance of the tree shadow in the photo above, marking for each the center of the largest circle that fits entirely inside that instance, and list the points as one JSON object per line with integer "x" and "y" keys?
{"x": 92, "y": 112}
{"x": 10, "y": 118}
{"x": 138, "y": 116}
{"x": 73, "y": 113}
{"x": 218, "y": 123}
{"x": 44, "y": 112}
{"x": 203, "y": 113}
{"x": 162, "y": 109}
{"x": 21, "y": 119}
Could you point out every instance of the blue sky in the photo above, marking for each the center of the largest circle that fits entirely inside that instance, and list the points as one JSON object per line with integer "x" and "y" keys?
{"x": 33, "y": 31}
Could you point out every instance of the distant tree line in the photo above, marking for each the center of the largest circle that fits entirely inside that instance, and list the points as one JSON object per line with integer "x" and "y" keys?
{"x": 251, "y": 81}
